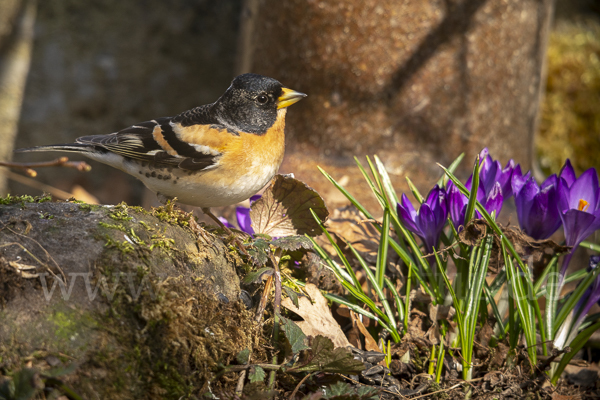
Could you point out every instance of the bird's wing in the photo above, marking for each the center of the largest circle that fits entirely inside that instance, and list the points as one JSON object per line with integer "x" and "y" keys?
{"x": 165, "y": 142}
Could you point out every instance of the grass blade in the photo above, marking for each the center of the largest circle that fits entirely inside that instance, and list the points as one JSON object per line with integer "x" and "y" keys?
{"x": 473, "y": 195}
{"x": 443, "y": 181}
{"x": 382, "y": 253}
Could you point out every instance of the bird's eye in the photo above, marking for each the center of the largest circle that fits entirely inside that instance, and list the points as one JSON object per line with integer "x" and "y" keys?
{"x": 262, "y": 99}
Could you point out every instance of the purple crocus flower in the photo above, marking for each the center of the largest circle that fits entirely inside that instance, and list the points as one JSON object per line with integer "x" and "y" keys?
{"x": 429, "y": 221}
{"x": 537, "y": 205}
{"x": 494, "y": 182}
{"x": 243, "y": 217}
{"x": 579, "y": 206}
{"x": 569, "y": 329}
{"x": 457, "y": 205}
{"x": 492, "y": 173}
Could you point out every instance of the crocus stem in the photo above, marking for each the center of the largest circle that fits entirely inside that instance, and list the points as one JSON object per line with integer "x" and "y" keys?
{"x": 564, "y": 267}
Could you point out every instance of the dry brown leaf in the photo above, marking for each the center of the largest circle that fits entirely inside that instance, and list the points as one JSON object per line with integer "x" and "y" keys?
{"x": 438, "y": 313}
{"x": 370, "y": 343}
{"x": 556, "y": 396}
{"x": 284, "y": 209}
{"x": 317, "y": 317}
{"x": 348, "y": 223}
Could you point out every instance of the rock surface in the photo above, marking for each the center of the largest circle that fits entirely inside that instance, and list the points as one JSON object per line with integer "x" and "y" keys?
{"x": 143, "y": 300}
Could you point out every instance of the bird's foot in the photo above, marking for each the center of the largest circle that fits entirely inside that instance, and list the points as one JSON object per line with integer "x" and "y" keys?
{"x": 231, "y": 236}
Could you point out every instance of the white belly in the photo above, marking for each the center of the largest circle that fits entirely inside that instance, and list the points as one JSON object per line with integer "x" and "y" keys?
{"x": 214, "y": 194}
{"x": 211, "y": 188}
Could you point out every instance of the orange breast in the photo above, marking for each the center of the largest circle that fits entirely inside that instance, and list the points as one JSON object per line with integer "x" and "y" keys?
{"x": 250, "y": 151}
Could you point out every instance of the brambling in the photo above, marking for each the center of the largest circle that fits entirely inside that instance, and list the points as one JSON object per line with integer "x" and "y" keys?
{"x": 214, "y": 155}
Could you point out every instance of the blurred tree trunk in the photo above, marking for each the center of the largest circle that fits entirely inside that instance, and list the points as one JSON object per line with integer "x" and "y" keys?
{"x": 17, "y": 20}
{"x": 414, "y": 82}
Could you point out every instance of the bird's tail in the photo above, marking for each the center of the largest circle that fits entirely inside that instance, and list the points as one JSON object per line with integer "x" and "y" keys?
{"x": 71, "y": 148}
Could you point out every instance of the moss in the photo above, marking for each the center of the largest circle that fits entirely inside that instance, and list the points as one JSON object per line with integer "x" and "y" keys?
{"x": 570, "y": 118}
{"x": 182, "y": 339}
{"x": 22, "y": 200}
{"x": 168, "y": 213}
{"x": 159, "y": 241}
{"x": 67, "y": 324}
{"x": 138, "y": 209}
{"x": 118, "y": 227}
{"x": 147, "y": 336}
{"x": 120, "y": 213}
{"x": 89, "y": 207}
{"x": 123, "y": 247}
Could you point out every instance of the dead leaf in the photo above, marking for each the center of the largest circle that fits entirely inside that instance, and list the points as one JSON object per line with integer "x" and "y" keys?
{"x": 347, "y": 224}
{"x": 22, "y": 268}
{"x": 283, "y": 210}
{"x": 556, "y": 396}
{"x": 538, "y": 253}
{"x": 438, "y": 313}
{"x": 317, "y": 317}
{"x": 500, "y": 355}
{"x": 474, "y": 232}
{"x": 323, "y": 356}
{"x": 370, "y": 343}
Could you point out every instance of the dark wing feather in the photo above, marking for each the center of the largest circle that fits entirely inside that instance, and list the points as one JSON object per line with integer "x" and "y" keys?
{"x": 138, "y": 142}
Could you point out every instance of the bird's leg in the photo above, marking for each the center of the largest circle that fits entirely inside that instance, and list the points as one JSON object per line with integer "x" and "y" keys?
{"x": 240, "y": 246}
{"x": 208, "y": 213}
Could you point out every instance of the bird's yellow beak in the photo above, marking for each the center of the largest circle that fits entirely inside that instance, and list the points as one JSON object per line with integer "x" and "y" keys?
{"x": 289, "y": 97}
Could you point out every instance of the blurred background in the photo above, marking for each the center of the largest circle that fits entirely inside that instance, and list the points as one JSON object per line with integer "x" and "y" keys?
{"x": 415, "y": 82}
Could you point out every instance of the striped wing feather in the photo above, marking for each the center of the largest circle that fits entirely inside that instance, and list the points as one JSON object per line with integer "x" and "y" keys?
{"x": 137, "y": 142}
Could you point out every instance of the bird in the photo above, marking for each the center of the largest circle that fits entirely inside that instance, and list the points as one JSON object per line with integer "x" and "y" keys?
{"x": 213, "y": 155}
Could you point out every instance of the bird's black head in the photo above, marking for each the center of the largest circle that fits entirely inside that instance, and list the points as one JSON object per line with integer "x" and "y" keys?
{"x": 250, "y": 104}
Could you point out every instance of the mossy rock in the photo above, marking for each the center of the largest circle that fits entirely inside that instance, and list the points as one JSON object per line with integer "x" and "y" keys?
{"x": 147, "y": 309}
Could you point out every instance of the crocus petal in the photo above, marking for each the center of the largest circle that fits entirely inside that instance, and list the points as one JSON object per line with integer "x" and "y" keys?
{"x": 552, "y": 180}
{"x": 225, "y": 222}
{"x": 505, "y": 178}
{"x": 518, "y": 180}
{"x": 254, "y": 198}
{"x": 524, "y": 200}
{"x": 567, "y": 173}
{"x": 426, "y": 220}
{"x": 584, "y": 188}
{"x": 484, "y": 158}
{"x": 437, "y": 202}
{"x": 456, "y": 204}
{"x": 544, "y": 218}
{"x": 408, "y": 215}
{"x": 563, "y": 195}
{"x": 494, "y": 200}
{"x": 489, "y": 177}
{"x": 243, "y": 219}
{"x": 578, "y": 225}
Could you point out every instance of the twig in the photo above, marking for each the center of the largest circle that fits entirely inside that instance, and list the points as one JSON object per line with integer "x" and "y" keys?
{"x": 263, "y": 300}
{"x": 237, "y": 368}
{"x": 300, "y": 384}
{"x": 239, "y": 388}
{"x": 439, "y": 391}
{"x": 38, "y": 185}
{"x": 59, "y": 162}
{"x": 33, "y": 256}
{"x": 546, "y": 361}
